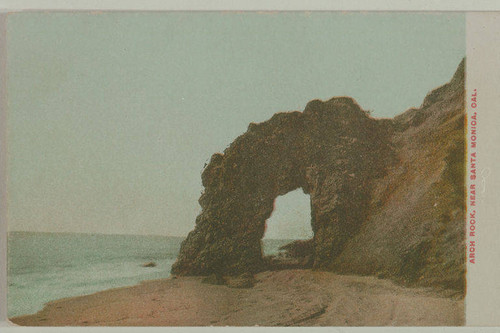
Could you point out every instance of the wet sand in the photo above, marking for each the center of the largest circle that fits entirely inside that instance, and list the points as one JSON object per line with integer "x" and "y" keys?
{"x": 279, "y": 298}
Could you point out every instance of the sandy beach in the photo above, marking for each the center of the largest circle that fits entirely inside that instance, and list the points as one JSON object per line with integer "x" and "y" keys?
{"x": 278, "y": 298}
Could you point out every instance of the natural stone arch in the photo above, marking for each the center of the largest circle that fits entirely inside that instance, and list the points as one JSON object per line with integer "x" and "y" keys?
{"x": 332, "y": 151}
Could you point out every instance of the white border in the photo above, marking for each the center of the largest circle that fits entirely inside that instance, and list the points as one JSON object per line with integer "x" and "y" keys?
{"x": 483, "y": 73}
{"x": 204, "y": 5}
{"x": 251, "y": 5}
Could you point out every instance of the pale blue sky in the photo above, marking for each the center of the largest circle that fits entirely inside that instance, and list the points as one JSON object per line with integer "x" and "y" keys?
{"x": 112, "y": 116}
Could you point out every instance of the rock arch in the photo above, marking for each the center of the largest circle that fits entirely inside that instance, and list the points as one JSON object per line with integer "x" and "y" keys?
{"x": 387, "y": 195}
{"x": 333, "y": 150}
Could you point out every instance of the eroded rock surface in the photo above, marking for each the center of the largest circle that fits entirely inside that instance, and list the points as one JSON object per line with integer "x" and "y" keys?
{"x": 386, "y": 194}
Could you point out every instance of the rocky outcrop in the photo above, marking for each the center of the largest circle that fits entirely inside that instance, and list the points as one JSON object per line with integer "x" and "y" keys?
{"x": 299, "y": 248}
{"x": 387, "y": 195}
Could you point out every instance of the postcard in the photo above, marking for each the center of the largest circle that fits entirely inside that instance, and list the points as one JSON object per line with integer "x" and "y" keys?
{"x": 249, "y": 169}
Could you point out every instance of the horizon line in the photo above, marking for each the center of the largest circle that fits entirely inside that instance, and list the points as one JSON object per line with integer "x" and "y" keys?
{"x": 117, "y": 234}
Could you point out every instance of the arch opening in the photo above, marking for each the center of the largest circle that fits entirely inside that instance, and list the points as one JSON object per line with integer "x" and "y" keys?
{"x": 287, "y": 241}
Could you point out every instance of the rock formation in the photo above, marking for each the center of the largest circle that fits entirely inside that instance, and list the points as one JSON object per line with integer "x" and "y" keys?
{"x": 387, "y": 195}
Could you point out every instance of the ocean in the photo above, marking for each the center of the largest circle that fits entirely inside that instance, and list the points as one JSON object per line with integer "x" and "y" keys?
{"x": 47, "y": 266}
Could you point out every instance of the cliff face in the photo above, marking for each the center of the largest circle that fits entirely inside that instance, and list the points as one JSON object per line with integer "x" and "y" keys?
{"x": 387, "y": 195}
{"x": 416, "y": 228}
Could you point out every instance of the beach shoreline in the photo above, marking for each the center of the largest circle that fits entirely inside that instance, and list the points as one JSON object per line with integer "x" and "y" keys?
{"x": 296, "y": 297}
